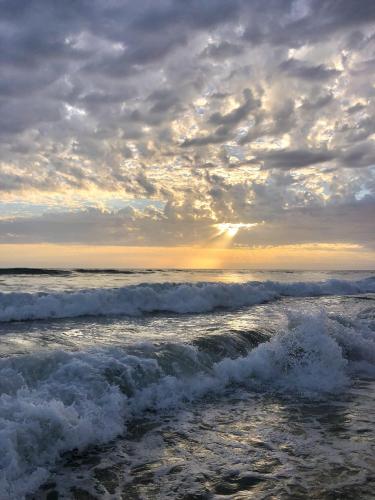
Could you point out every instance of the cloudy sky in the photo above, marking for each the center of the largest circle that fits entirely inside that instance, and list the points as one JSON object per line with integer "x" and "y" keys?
{"x": 238, "y": 126}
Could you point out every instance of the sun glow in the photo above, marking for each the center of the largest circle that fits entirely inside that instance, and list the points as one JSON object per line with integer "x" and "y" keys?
{"x": 306, "y": 256}
{"x": 231, "y": 230}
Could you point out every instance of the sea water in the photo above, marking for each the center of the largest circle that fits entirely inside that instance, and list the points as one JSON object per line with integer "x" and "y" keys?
{"x": 138, "y": 384}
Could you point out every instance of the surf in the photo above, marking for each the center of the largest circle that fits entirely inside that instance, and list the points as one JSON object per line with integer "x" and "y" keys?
{"x": 178, "y": 298}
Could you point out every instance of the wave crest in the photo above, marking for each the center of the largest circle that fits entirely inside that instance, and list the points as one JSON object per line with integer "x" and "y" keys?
{"x": 52, "y": 403}
{"x": 180, "y": 298}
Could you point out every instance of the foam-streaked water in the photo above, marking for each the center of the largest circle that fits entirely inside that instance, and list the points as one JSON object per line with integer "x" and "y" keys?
{"x": 165, "y": 384}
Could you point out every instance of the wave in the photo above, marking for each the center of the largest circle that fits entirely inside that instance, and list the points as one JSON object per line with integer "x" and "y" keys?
{"x": 180, "y": 298}
{"x": 14, "y": 271}
{"x": 55, "y": 402}
{"x": 114, "y": 271}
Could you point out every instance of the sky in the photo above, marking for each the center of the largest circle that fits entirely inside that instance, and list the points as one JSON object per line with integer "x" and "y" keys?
{"x": 187, "y": 133}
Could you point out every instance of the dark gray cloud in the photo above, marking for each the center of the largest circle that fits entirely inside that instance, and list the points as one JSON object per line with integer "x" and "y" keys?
{"x": 318, "y": 103}
{"x": 237, "y": 114}
{"x": 361, "y": 155}
{"x": 298, "y": 158}
{"x": 341, "y": 223}
{"x": 222, "y": 50}
{"x": 275, "y": 24}
{"x": 300, "y": 69}
{"x": 217, "y": 137}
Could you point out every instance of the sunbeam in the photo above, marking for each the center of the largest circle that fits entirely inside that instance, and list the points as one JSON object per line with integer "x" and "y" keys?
{"x": 231, "y": 229}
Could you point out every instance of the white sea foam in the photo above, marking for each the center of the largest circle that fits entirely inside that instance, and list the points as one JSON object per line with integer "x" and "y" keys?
{"x": 59, "y": 401}
{"x": 168, "y": 297}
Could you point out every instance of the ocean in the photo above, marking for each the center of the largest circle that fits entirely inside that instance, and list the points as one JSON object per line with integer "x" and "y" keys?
{"x": 190, "y": 385}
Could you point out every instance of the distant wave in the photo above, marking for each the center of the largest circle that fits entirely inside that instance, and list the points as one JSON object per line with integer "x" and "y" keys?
{"x": 54, "y": 402}
{"x": 32, "y": 271}
{"x": 180, "y": 298}
{"x": 114, "y": 271}
{"x": 68, "y": 272}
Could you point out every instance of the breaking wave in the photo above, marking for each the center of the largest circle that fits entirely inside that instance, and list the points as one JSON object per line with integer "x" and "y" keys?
{"x": 177, "y": 298}
{"x": 55, "y": 402}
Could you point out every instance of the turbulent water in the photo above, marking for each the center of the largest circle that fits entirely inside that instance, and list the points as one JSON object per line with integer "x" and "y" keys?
{"x": 156, "y": 384}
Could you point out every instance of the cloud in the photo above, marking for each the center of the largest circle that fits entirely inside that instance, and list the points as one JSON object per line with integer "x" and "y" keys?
{"x": 318, "y": 103}
{"x": 341, "y": 223}
{"x": 297, "y": 158}
{"x": 222, "y": 50}
{"x": 299, "y": 69}
{"x": 238, "y": 114}
{"x": 217, "y": 111}
{"x": 350, "y": 222}
{"x": 282, "y": 23}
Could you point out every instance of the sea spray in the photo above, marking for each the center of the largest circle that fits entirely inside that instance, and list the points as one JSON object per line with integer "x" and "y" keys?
{"x": 182, "y": 298}
{"x": 52, "y": 403}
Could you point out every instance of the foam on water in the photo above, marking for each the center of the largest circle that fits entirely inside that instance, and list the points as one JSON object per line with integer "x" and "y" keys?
{"x": 60, "y": 401}
{"x": 183, "y": 298}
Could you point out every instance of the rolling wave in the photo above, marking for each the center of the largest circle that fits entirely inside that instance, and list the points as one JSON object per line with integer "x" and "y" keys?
{"x": 180, "y": 298}
{"x": 55, "y": 402}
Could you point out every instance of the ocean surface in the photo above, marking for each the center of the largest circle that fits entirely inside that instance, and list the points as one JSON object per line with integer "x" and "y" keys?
{"x": 190, "y": 385}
